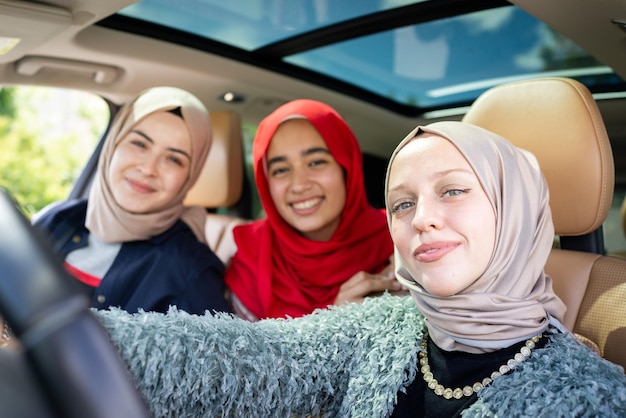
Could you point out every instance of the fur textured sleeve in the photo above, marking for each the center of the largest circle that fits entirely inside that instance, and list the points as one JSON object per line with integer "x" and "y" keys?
{"x": 563, "y": 379}
{"x": 343, "y": 361}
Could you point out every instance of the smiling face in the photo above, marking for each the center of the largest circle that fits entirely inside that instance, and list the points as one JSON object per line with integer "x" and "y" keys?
{"x": 442, "y": 222}
{"x": 307, "y": 185}
{"x": 151, "y": 163}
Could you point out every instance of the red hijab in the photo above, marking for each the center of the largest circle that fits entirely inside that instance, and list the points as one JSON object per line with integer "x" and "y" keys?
{"x": 276, "y": 271}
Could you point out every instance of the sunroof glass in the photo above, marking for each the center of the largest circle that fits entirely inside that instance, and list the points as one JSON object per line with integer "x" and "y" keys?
{"x": 251, "y": 24}
{"x": 430, "y": 65}
{"x": 453, "y": 60}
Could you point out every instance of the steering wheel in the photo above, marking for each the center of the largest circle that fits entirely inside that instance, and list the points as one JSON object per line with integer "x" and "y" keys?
{"x": 68, "y": 366}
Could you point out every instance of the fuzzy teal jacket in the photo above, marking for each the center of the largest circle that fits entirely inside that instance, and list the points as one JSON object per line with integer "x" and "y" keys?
{"x": 347, "y": 361}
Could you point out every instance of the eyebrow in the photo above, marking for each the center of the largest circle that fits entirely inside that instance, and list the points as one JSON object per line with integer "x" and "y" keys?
{"x": 306, "y": 152}
{"x": 444, "y": 173}
{"x": 436, "y": 175}
{"x": 147, "y": 138}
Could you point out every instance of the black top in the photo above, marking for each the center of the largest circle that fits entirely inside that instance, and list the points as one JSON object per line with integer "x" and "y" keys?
{"x": 452, "y": 369}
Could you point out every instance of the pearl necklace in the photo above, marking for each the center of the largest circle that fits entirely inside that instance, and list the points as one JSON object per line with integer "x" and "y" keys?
{"x": 458, "y": 393}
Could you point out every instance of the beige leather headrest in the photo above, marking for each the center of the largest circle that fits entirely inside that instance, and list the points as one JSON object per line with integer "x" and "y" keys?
{"x": 221, "y": 180}
{"x": 558, "y": 120}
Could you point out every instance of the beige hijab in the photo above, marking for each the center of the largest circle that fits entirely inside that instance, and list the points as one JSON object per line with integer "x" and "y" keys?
{"x": 105, "y": 218}
{"x": 513, "y": 299}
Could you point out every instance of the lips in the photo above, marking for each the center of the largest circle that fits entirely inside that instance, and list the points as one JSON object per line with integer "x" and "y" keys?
{"x": 431, "y": 252}
{"x": 306, "y": 205}
{"x": 139, "y": 187}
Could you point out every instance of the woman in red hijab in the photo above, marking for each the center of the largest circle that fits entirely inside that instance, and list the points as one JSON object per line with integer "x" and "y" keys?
{"x": 321, "y": 242}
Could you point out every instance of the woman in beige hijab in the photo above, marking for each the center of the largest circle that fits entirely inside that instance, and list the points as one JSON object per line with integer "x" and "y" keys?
{"x": 470, "y": 220}
{"x": 132, "y": 243}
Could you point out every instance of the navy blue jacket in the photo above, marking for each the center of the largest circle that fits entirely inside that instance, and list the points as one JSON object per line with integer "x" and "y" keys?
{"x": 173, "y": 268}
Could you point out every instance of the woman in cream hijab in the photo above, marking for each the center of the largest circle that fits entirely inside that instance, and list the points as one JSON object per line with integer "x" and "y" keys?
{"x": 470, "y": 220}
{"x": 132, "y": 243}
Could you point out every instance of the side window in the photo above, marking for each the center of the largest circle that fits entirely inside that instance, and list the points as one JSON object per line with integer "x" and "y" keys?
{"x": 46, "y": 136}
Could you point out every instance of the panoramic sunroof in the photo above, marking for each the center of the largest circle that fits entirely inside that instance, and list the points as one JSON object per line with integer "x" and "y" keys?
{"x": 252, "y": 24}
{"x": 428, "y": 65}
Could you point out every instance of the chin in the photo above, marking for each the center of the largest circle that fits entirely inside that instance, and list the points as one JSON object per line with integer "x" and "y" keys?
{"x": 441, "y": 294}
{"x": 441, "y": 291}
{"x": 132, "y": 208}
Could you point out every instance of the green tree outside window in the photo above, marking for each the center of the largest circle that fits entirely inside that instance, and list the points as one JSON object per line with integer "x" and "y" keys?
{"x": 46, "y": 137}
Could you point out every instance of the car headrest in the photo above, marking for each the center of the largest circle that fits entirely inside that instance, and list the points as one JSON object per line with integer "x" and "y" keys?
{"x": 558, "y": 120}
{"x": 221, "y": 180}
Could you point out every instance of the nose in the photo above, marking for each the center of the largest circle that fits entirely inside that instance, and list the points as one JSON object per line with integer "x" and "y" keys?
{"x": 426, "y": 216}
{"x": 300, "y": 180}
{"x": 148, "y": 165}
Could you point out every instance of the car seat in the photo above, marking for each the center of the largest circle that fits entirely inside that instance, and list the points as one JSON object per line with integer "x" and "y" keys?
{"x": 221, "y": 182}
{"x": 558, "y": 120}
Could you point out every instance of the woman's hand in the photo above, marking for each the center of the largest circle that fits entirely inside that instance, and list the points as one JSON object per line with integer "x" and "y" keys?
{"x": 365, "y": 284}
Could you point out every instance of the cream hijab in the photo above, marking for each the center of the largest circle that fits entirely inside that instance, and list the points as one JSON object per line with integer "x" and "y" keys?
{"x": 105, "y": 218}
{"x": 513, "y": 299}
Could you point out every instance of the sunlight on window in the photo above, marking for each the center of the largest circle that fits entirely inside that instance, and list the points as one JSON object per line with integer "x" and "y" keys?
{"x": 47, "y": 135}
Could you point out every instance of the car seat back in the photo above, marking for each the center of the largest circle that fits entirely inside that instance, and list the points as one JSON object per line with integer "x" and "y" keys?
{"x": 558, "y": 120}
{"x": 221, "y": 182}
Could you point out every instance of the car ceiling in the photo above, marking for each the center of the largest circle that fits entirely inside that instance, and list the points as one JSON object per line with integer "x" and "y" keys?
{"x": 119, "y": 65}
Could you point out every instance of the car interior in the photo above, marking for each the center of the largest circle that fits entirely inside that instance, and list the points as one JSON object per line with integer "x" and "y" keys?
{"x": 592, "y": 285}
{"x": 563, "y": 99}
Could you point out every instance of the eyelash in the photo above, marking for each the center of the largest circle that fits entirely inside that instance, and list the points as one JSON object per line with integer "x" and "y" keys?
{"x": 176, "y": 161}
{"x": 316, "y": 163}
{"x": 173, "y": 158}
{"x": 313, "y": 163}
{"x": 396, "y": 208}
{"x": 399, "y": 206}
{"x": 462, "y": 191}
{"x": 138, "y": 143}
{"x": 277, "y": 171}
